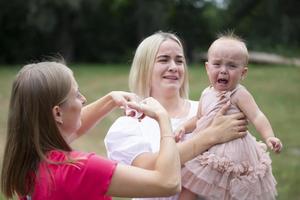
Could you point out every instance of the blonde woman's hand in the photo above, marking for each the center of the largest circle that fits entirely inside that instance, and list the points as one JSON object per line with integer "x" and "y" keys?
{"x": 149, "y": 106}
{"x": 228, "y": 127}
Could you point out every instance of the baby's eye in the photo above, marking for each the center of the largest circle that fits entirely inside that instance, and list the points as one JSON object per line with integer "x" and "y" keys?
{"x": 216, "y": 64}
{"x": 179, "y": 61}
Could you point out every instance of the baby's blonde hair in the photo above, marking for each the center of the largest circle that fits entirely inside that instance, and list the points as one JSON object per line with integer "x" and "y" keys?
{"x": 230, "y": 35}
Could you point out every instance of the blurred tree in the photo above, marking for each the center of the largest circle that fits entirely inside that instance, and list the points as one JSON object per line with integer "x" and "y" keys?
{"x": 13, "y": 31}
{"x": 150, "y": 20}
{"x": 196, "y": 22}
{"x": 55, "y": 20}
{"x": 110, "y": 30}
{"x": 104, "y": 30}
{"x": 36, "y": 27}
{"x": 266, "y": 24}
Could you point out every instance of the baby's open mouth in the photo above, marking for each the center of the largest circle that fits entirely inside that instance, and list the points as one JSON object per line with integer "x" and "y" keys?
{"x": 223, "y": 81}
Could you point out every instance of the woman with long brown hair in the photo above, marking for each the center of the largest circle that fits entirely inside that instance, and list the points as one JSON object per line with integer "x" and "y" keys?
{"x": 46, "y": 114}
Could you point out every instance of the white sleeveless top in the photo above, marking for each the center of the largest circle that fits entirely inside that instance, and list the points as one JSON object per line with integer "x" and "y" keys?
{"x": 127, "y": 138}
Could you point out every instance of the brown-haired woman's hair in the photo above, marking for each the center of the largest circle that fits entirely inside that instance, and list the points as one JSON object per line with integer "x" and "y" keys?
{"x": 31, "y": 128}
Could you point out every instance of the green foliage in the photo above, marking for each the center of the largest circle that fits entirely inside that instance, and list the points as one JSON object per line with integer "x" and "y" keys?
{"x": 265, "y": 24}
{"x": 109, "y": 30}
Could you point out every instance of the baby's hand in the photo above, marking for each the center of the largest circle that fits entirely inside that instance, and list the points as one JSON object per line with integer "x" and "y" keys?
{"x": 274, "y": 144}
{"x": 179, "y": 133}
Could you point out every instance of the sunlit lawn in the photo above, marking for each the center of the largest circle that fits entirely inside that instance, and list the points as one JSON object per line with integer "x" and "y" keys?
{"x": 275, "y": 88}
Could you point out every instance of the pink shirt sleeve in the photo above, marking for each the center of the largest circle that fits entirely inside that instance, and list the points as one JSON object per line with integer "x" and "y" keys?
{"x": 91, "y": 179}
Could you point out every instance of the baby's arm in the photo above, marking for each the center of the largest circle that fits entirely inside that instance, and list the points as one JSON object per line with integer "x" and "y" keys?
{"x": 188, "y": 126}
{"x": 247, "y": 104}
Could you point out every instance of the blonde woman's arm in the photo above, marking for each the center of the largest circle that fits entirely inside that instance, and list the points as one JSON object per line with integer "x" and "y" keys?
{"x": 224, "y": 128}
{"x": 164, "y": 179}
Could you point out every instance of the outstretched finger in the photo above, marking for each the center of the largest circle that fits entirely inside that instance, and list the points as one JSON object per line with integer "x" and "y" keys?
{"x": 134, "y": 105}
{"x": 224, "y": 109}
{"x": 243, "y": 133}
{"x": 242, "y": 128}
{"x": 131, "y": 97}
{"x": 241, "y": 122}
{"x": 239, "y": 115}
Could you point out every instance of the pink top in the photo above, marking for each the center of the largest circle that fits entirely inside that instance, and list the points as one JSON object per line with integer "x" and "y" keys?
{"x": 88, "y": 177}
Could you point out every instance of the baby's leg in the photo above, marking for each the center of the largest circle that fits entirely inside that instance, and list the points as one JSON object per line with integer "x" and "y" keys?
{"x": 185, "y": 194}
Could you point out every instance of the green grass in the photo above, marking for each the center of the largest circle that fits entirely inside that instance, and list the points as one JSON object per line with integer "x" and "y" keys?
{"x": 275, "y": 88}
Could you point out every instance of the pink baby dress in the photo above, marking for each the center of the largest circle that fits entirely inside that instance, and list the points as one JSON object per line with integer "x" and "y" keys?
{"x": 236, "y": 170}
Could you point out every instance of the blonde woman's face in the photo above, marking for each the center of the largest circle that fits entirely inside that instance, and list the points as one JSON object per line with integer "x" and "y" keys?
{"x": 168, "y": 71}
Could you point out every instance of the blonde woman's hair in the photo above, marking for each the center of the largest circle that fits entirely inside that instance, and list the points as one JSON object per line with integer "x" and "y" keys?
{"x": 143, "y": 62}
{"x": 32, "y": 130}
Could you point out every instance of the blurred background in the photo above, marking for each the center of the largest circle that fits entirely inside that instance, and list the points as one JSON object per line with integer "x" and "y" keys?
{"x": 109, "y": 30}
{"x": 98, "y": 39}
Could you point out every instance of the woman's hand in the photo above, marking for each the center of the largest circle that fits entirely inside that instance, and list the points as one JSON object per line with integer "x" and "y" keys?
{"x": 149, "y": 106}
{"x": 94, "y": 112}
{"x": 228, "y": 127}
{"x": 121, "y": 98}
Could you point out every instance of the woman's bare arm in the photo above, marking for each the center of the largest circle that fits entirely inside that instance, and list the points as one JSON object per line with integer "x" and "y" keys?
{"x": 164, "y": 179}
{"x": 224, "y": 128}
{"x": 96, "y": 111}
